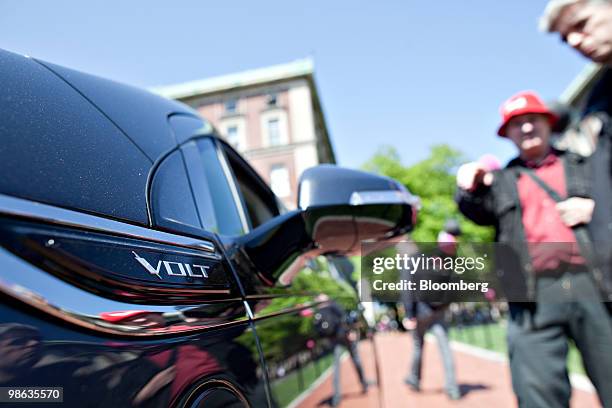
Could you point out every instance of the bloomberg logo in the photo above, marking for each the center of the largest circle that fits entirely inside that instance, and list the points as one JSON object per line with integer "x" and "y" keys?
{"x": 174, "y": 268}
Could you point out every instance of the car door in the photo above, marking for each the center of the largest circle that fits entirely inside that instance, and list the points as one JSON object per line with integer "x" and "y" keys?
{"x": 276, "y": 257}
{"x": 191, "y": 195}
{"x": 295, "y": 355}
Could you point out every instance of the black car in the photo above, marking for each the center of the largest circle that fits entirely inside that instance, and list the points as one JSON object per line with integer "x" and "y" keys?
{"x": 144, "y": 263}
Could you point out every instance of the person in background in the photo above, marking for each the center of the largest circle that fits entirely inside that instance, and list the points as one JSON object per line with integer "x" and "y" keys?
{"x": 585, "y": 25}
{"x": 334, "y": 323}
{"x": 538, "y": 204}
{"x": 423, "y": 316}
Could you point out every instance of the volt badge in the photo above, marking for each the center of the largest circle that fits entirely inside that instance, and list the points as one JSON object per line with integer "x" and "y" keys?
{"x": 173, "y": 268}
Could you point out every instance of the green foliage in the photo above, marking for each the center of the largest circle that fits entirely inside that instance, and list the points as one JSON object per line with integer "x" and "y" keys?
{"x": 287, "y": 388}
{"x": 321, "y": 281}
{"x": 286, "y": 334}
{"x": 433, "y": 180}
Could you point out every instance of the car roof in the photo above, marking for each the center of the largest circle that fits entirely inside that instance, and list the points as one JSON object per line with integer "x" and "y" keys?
{"x": 141, "y": 115}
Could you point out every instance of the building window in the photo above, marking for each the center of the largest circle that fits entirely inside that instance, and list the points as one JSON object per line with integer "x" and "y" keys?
{"x": 274, "y": 130}
{"x": 274, "y": 136}
{"x": 279, "y": 180}
{"x": 233, "y": 129}
{"x": 272, "y": 100}
{"x": 231, "y": 134}
{"x": 231, "y": 106}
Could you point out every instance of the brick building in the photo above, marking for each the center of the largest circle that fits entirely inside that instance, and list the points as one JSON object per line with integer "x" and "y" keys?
{"x": 272, "y": 116}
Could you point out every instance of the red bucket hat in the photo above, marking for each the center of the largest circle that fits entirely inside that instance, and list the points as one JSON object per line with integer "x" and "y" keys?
{"x": 520, "y": 104}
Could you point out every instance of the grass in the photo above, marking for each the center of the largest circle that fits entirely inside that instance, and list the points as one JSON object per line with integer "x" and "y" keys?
{"x": 493, "y": 337}
{"x": 287, "y": 388}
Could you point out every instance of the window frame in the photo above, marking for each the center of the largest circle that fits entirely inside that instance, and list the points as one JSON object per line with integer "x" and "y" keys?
{"x": 279, "y": 115}
{"x": 239, "y": 122}
{"x": 233, "y": 102}
{"x": 193, "y": 163}
{"x": 277, "y": 140}
{"x": 255, "y": 181}
{"x": 229, "y": 159}
{"x": 232, "y": 136}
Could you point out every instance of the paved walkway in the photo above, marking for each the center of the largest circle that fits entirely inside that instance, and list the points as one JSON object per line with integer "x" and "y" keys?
{"x": 484, "y": 382}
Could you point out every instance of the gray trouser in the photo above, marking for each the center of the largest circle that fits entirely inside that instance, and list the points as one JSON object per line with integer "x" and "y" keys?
{"x": 351, "y": 346}
{"x": 438, "y": 329}
{"x": 538, "y": 334}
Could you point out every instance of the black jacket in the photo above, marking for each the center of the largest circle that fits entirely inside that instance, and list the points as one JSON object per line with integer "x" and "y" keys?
{"x": 499, "y": 206}
{"x": 600, "y": 103}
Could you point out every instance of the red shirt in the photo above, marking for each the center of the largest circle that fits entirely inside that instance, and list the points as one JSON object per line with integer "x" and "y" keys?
{"x": 550, "y": 241}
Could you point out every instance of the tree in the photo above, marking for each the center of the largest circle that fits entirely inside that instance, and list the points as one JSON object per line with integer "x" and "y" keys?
{"x": 433, "y": 180}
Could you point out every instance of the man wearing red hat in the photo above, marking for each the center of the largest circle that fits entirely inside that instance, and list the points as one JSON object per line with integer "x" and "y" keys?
{"x": 540, "y": 205}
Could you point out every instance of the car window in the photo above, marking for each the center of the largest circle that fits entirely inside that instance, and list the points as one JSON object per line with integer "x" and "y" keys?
{"x": 259, "y": 201}
{"x": 217, "y": 200}
{"x": 172, "y": 203}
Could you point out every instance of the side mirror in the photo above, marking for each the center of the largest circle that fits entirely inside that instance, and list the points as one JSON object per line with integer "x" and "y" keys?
{"x": 338, "y": 209}
{"x": 343, "y": 207}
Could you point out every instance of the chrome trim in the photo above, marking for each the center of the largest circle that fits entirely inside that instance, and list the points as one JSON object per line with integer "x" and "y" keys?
{"x": 296, "y": 307}
{"x": 50, "y": 214}
{"x": 248, "y": 310}
{"x": 231, "y": 181}
{"x": 36, "y": 288}
{"x": 304, "y": 199}
{"x": 383, "y": 197}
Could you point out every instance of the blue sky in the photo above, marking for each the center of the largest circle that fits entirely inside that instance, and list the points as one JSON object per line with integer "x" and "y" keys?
{"x": 403, "y": 73}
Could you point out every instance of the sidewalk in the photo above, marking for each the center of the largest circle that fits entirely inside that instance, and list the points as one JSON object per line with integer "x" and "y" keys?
{"x": 484, "y": 382}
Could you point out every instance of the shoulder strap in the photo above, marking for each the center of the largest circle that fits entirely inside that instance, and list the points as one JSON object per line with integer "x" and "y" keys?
{"x": 543, "y": 185}
{"x": 580, "y": 231}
